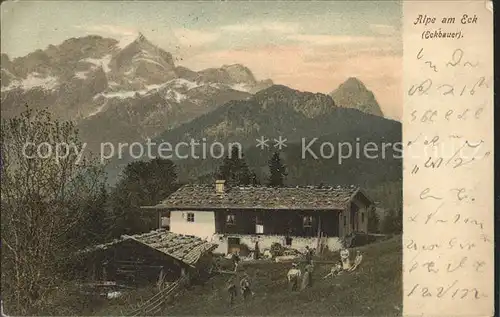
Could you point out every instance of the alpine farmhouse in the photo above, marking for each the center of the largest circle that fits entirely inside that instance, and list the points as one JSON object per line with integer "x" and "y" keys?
{"x": 295, "y": 217}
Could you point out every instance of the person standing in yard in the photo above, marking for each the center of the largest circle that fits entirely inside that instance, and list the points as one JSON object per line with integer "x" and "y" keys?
{"x": 306, "y": 278}
{"x": 309, "y": 255}
{"x": 310, "y": 268}
{"x": 293, "y": 277}
{"x": 231, "y": 289}
{"x": 236, "y": 260}
{"x": 246, "y": 291}
{"x": 256, "y": 252}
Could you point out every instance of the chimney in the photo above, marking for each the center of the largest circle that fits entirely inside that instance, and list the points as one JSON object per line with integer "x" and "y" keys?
{"x": 219, "y": 186}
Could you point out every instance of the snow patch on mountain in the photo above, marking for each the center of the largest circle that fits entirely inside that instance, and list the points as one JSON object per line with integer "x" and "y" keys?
{"x": 182, "y": 83}
{"x": 104, "y": 62}
{"x": 173, "y": 90}
{"x": 153, "y": 87}
{"x": 120, "y": 94}
{"x": 98, "y": 110}
{"x": 34, "y": 80}
{"x": 216, "y": 85}
{"x": 241, "y": 87}
{"x": 126, "y": 41}
{"x": 175, "y": 95}
{"x": 81, "y": 75}
{"x": 8, "y": 72}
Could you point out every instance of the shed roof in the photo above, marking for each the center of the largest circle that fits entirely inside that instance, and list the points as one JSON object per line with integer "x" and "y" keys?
{"x": 187, "y": 249}
{"x": 261, "y": 197}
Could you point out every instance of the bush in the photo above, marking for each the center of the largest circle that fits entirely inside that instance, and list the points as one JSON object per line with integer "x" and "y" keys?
{"x": 69, "y": 300}
{"x": 373, "y": 221}
{"x": 393, "y": 222}
{"x": 276, "y": 249}
{"x": 224, "y": 264}
{"x": 360, "y": 239}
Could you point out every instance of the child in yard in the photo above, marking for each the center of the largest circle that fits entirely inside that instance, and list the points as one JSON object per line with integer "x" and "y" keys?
{"x": 344, "y": 257}
{"x": 357, "y": 261}
{"x": 336, "y": 270}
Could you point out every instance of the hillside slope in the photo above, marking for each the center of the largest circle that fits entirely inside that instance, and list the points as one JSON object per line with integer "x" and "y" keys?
{"x": 298, "y": 117}
{"x": 375, "y": 289}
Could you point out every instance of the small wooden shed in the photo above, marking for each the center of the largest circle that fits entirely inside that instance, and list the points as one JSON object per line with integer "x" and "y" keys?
{"x": 156, "y": 256}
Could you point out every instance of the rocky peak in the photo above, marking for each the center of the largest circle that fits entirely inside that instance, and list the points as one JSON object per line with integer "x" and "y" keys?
{"x": 275, "y": 90}
{"x": 353, "y": 94}
{"x": 352, "y": 83}
{"x": 91, "y": 46}
{"x": 142, "y": 42}
{"x": 141, "y": 37}
{"x": 141, "y": 47}
{"x": 261, "y": 85}
{"x": 239, "y": 73}
{"x": 227, "y": 75}
{"x": 143, "y": 62}
{"x": 5, "y": 61}
{"x": 308, "y": 103}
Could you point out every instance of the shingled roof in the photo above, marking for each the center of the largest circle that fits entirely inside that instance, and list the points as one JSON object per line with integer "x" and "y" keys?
{"x": 198, "y": 197}
{"x": 187, "y": 249}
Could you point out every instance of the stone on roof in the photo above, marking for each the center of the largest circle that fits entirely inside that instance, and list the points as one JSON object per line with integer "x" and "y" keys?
{"x": 187, "y": 249}
{"x": 261, "y": 197}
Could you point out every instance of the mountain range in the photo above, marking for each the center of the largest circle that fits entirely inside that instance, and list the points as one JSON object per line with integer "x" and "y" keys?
{"x": 118, "y": 92}
{"x": 127, "y": 92}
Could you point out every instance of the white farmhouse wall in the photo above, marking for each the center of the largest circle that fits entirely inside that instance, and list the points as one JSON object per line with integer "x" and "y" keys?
{"x": 265, "y": 242}
{"x": 202, "y": 227}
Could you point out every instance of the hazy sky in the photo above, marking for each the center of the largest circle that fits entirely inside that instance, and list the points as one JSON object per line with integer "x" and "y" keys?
{"x": 310, "y": 46}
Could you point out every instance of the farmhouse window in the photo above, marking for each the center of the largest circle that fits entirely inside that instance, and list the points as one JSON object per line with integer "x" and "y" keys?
{"x": 190, "y": 217}
{"x": 230, "y": 219}
{"x": 258, "y": 220}
{"x": 362, "y": 217}
{"x": 345, "y": 220}
{"x": 259, "y": 225}
{"x": 259, "y": 229}
{"x": 308, "y": 221}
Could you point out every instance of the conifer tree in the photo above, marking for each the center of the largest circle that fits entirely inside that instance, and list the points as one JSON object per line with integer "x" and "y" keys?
{"x": 235, "y": 171}
{"x": 277, "y": 171}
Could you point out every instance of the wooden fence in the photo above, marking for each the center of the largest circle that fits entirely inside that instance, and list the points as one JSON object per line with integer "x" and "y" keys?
{"x": 155, "y": 303}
